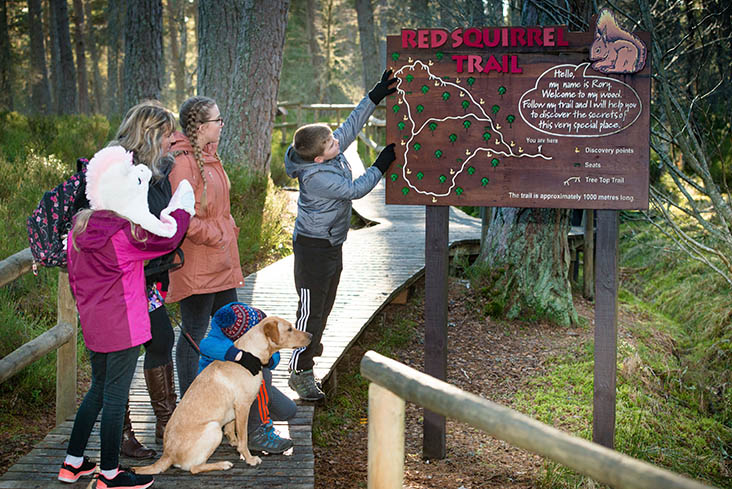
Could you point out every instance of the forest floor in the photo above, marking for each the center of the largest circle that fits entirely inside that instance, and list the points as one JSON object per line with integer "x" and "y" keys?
{"x": 492, "y": 359}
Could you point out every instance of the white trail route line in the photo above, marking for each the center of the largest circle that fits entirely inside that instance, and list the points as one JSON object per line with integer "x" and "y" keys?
{"x": 504, "y": 149}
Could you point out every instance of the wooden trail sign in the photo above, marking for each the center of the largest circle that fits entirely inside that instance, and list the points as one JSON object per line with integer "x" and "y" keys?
{"x": 517, "y": 117}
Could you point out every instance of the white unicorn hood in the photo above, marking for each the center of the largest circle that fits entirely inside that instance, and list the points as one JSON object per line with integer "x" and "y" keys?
{"x": 114, "y": 183}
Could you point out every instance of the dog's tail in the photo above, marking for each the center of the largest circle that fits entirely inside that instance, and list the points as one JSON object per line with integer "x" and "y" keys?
{"x": 161, "y": 465}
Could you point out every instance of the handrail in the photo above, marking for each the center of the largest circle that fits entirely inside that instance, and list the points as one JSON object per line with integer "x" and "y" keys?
{"x": 394, "y": 382}
{"x": 61, "y": 337}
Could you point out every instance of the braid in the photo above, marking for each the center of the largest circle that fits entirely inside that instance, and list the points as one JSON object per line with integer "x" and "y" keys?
{"x": 192, "y": 112}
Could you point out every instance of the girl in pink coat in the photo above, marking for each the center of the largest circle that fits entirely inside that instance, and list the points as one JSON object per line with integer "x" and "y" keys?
{"x": 107, "y": 248}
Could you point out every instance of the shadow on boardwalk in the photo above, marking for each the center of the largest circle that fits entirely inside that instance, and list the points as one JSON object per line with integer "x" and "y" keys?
{"x": 378, "y": 262}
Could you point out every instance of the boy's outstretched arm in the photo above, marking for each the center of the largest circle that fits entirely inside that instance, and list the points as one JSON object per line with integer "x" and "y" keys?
{"x": 347, "y": 132}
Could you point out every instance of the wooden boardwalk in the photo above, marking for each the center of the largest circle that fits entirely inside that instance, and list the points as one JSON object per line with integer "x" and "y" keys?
{"x": 378, "y": 263}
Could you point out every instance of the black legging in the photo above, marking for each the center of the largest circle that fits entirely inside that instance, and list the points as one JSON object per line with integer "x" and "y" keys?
{"x": 159, "y": 350}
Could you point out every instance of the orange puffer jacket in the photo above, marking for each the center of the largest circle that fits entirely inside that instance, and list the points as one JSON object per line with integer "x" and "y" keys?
{"x": 210, "y": 248}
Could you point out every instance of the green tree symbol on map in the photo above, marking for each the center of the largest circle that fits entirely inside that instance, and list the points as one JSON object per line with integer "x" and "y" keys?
{"x": 394, "y": 177}
{"x": 439, "y": 55}
{"x": 420, "y": 108}
{"x": 425, "y": 89}
{"x": 467, "y": 124}
{"x": 443, "y": 178}
{"x": 471, "y": 80}
{"x": 405, "y": 190}
{"x": 494, "y": 162}
{"x": 486, "y": 136}
{"x": 453, "y": 138}
{"x": 495, "y": 109}
{"x": 471, "y": 170}
{"x": 458, "y": 190}
{"x": 510, "y": 118}
{"x": 420, "y": 175}
{"x": 438, "y": 154}
{"x": 432, "y": 126}
{"x": 445, "y": 96}
{"x": 394, "y": 56}
{"x": 501, "y": 90}
{"x": 401, "y": 125}
{"x": 417, "y": 146}
{"x": 484, "y": 181}
{"x": 465, "y": 104}
{"x": 395, "y": 108}
{"x": 410, "y": 78}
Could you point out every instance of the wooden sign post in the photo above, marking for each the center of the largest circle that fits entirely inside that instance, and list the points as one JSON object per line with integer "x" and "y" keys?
{"x": 521, "y": 117}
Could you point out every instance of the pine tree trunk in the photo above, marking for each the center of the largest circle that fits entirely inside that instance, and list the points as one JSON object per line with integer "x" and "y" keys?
{"x": 97, "y": 84}
{"x": 6, "y": 61}
{"x": 55, "y": 71}
{"x": 240, "y": 58}
{"x": 316, "y": 53}
{"x": 67, "y": 102}
{"x": 143, "y": 65}
{"x": 177, "y": 55}
{"x": 80, "y": 44}
{"x": 115, "y": 16}
{"x": 40, "y": 90}
{"x": 527, "y": 253}
{"x": 367, "y": 40}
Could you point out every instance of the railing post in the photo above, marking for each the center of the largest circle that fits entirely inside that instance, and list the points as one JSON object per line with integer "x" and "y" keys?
{"x": 66, "y": 355}
{"x": 386, "y": 439}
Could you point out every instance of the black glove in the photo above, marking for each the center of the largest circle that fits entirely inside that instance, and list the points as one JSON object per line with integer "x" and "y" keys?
{"x": 250, "y": 362}
{"x": 385, "y": 158}
{"x": 382, "y": 89}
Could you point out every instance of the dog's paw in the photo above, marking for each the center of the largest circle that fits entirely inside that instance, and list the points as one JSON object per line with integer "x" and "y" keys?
{"x": 252, "y": 460}
{"x": 226, "y": 465}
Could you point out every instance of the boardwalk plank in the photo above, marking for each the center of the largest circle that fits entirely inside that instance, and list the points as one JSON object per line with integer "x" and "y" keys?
{"x": 378, "y": 263}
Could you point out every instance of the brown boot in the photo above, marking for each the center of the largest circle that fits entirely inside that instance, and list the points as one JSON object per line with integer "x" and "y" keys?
{"x": 130, "y": 446}
{"x": 160, "y": 385}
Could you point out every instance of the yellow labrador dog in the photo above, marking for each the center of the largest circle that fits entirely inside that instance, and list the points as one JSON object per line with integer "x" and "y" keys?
{"x": 223, "y": 392}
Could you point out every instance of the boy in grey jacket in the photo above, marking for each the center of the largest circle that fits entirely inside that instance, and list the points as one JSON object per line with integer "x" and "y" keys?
{"x": 323, "y": 218}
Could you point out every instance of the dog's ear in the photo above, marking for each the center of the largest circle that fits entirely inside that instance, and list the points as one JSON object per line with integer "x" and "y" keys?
{"x": 272, "y": 330}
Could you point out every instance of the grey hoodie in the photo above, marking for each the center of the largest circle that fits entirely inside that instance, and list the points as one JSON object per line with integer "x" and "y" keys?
{"x": 327, "y": 188}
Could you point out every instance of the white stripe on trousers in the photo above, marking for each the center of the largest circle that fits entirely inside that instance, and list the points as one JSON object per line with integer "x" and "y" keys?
{"x": 302, "y": 323}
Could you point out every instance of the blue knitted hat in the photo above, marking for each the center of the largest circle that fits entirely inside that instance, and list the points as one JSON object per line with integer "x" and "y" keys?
{"x": 236, "y": 318}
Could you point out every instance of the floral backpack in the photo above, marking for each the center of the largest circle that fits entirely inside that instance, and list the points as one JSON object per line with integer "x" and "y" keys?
{"x": 50, "y": 221}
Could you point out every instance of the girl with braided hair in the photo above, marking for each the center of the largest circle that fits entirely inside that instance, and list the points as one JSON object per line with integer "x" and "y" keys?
{"x": 212, "y": 272}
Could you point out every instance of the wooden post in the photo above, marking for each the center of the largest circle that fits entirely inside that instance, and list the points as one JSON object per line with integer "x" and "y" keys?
{"x": 435, "y": 320}
{"x": 66, "y": 355}
{"x": 606, "y": 317}
{"x": 386, "y": 439}
{"x": 588, "y": 260}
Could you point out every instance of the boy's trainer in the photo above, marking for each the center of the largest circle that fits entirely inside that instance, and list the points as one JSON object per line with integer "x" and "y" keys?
{"x": 266, "y": 439}
{"x": 304, "y": 384}
{"x": 69, "y": 473}
{"x": 125, "y": 479}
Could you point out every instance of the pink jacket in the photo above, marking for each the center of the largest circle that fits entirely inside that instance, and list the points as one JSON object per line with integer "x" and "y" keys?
{"x": 108, "y": 281}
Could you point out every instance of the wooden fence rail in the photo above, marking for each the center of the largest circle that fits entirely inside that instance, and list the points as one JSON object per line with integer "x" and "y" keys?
{"x": 394, "y": 382}
{"x": 61, "y": 337}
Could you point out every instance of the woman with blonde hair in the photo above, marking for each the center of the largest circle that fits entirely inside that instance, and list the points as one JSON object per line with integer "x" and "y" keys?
{"x": 147, "y": 132}
{"x": 212, "y": 272}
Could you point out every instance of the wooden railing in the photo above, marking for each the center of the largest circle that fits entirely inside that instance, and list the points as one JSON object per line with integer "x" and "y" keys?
{"x": 370, "y": 135}
{"x": 393, "y": 383}
{"x": 61, "y": 337}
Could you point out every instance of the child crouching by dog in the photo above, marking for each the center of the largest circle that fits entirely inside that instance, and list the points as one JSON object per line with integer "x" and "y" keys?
{"x": 227, "y": 325}
{"x": 107, "y": 248}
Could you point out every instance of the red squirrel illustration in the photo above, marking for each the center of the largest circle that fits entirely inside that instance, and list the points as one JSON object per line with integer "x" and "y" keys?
{"x": 615, "y": 50}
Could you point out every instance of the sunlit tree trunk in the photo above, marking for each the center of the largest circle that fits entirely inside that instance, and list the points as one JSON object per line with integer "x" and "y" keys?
{"x": 67, "y": 102}
{"x": 143, "y": 65}
{"x": 525, "y": 254}
{"x": 316, "y": 53}
{"x": 6, "y": 62}
{"x": 40, "y": 90}
{"x": 92, "y": 38}
{"x": 367, "y": 40}
{"x": 115, "y": 16}
{"x": 176, "y": 20}
{"x": 80, "y": 44}
{"x": 240, "y": 57}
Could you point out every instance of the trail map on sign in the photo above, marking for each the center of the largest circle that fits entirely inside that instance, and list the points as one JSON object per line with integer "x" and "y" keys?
{"x": 542, "y": 128}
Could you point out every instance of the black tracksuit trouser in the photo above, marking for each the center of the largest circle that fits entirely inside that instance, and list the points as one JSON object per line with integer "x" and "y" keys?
{"x": 318, "y": 267}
